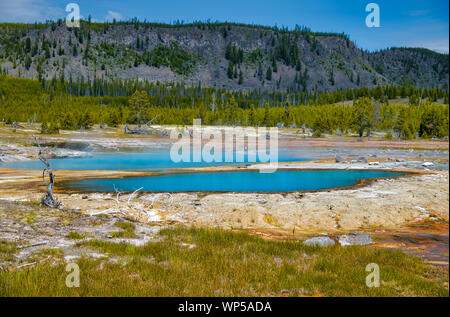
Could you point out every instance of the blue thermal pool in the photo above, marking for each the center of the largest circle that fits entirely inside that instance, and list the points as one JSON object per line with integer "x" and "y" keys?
{"x": 239, "y": 181}
{"x": 156, "y": 159}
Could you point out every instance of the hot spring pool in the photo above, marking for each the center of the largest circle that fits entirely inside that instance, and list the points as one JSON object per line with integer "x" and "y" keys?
{"x": 240, "y": 181}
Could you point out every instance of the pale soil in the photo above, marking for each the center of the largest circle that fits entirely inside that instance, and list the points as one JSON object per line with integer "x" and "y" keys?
{"x": 384, "y": 203}
{"x": 409, "y": 213}
{"x": 43, "y": 234}
{"x": 387, "y": 204}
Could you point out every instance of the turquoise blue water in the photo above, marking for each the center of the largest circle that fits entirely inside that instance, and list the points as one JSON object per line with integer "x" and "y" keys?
{"x": 282, "y": 180}
{"x": 156, "y": 159}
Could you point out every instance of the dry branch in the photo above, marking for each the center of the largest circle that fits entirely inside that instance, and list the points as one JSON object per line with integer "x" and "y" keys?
{"x": 134, "y": 210}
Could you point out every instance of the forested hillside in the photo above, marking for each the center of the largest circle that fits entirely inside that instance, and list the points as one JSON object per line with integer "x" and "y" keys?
{"x": 221, "y": 55}
{"x": 226, "y": 74}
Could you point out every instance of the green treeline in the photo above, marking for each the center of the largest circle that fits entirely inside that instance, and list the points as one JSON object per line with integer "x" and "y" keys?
{"x": 61, "y": 104}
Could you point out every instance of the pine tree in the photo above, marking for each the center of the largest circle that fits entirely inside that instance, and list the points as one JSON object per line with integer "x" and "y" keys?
{"x": 28, "y": 62}
{"x": 67, "y": 122}
{"x": 113, "y": 119}
{"x": 28, "y": 45}
{"x": 260, "y": 71}
{"x": 241, "y": 78}
{"x": 230, "y": 71}
{"x": 232, "y": 108}
{"x": 85, "y": 120}
{"x": 274, "y": 65}
{"x": 286, "y": 113}
{"x": 251, "y": 116}
{"x": 269, "y": 73}
{"x": 314, "y": 45}
{"x": 331, "y": 79}
{"x": 138, "y": 101}
{"x": 35, "y": 48}
{"x": 363, "y": 113}
{"x": 267, "y": 115}
{"x": 228, "y": 52}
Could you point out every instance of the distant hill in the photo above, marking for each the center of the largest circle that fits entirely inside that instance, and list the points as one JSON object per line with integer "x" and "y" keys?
{"x": 224, "y": 55}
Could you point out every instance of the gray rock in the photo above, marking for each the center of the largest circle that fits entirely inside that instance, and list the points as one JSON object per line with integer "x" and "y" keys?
{"x": 362, "y": 159}
{"x": 319, "y": 241}
{"x": 354, "y": 238}
{"x": 340, "y": 159}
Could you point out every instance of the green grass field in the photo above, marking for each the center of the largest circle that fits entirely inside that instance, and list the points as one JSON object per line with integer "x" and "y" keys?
{"x": 213, "y": 262}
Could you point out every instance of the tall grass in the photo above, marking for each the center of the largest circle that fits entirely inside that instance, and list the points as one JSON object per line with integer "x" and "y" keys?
{"x": 213, "y": 262}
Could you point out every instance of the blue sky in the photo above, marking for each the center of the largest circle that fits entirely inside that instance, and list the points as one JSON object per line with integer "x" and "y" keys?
{"x": 413, "y": 23}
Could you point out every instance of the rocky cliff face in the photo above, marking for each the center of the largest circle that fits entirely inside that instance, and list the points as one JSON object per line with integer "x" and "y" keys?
{"x": 221, "y": 55}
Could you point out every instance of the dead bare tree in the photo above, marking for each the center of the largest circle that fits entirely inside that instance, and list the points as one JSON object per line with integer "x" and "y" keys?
{"x": 48, "y": 199}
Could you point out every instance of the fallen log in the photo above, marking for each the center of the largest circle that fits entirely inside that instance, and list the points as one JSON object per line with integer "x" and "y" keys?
{"x": 139, "y": 130}
{"x": 135, "y": 131}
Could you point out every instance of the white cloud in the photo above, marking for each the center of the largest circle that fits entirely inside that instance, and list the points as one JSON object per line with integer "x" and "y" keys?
{"x": 439, "y": 45}
{"x": 29, "y": 11}
{"x": 113, "y": 15}
{"x": 418, "y": 13}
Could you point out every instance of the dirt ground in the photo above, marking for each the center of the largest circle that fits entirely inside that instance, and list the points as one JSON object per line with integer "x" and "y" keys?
{"x": 407, "y": 212}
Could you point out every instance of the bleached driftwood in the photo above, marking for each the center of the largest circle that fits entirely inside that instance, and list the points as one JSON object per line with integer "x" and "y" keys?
{"x": 130, "y": 209}
{"x": 131, "y": 196}
{"x": 32, "y": 245}
{"x": 157, "y": 196}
